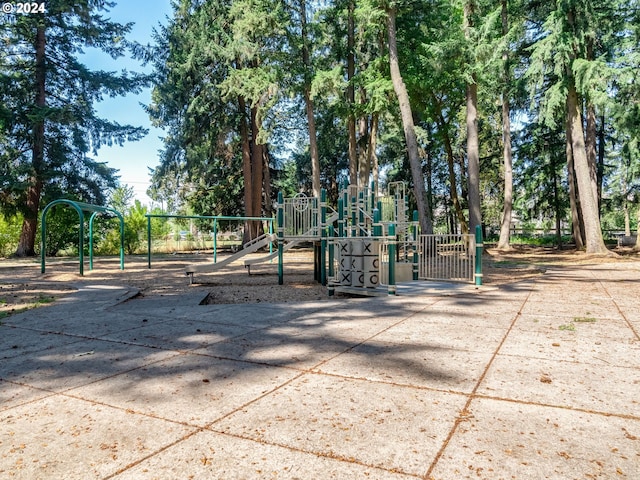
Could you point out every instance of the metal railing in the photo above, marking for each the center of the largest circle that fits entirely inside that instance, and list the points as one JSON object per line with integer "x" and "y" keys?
{"x": 301, "y": 217}
{"x": 447, "y": 257}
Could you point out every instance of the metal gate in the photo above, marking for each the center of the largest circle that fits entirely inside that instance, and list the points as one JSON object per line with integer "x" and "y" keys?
{"x": 447, "y": 257}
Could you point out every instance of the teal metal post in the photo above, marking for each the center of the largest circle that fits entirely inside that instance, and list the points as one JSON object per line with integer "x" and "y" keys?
{"x": 148, "y": 241}
{"x": 215, "y": 240}
{"x": 93, "y": 215}
{"x": 362, "y": 206}
{"x": 323, "y": 237}
{"x": 280, "y": 238}
{"x": 392, "y": 260}
{"x": 377, "y": 226}
{"x": 270, "y": 233}
{"x": 415, "y": 244}
{"x": 373, "y": 195}
{"x": 81, "y": 244}
{"x": 354, "y": 221}
{"x": 345, "y": 206}
{"x": 331, "y": 234}
{"x": 341, "y": 230}
{"x": 479, "y": 248}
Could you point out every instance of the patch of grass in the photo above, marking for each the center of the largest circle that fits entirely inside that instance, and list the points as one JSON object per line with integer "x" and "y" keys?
{"x": 43, "y": 300}
{"x": 508, "y": 263}
{"x": 568, "y": 327}
{"x": 584, "y": 320}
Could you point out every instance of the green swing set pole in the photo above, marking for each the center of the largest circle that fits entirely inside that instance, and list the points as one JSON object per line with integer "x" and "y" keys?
{"x": 79, "y": 208}
{"x": 280, "y": 238}
{"x": 81, "y": 244}
{"x": 93, "y": 215}
{"x": 479, "y": 248}
{"x": 215, "y": 240}
{"x": 148, "y": 241}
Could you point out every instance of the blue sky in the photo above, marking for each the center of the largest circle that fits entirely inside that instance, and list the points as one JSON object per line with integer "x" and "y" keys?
{"x": 134, "y": 158}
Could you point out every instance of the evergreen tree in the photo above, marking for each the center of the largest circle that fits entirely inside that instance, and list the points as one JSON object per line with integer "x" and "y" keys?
{"x": 48, "y": 125}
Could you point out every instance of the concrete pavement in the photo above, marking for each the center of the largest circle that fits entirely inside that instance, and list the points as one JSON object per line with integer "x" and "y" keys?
{"x": 535, "y": 380}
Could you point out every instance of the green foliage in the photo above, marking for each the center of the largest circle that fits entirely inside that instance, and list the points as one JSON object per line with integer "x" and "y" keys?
{"x": 212, "y": 53}
{"x": 63, "y": 231}
{"x": 56, "y": 97}
{"x": 9, "y": 233}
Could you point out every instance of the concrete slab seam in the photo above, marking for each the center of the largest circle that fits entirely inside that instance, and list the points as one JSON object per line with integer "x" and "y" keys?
{"x": 465, "y": 412}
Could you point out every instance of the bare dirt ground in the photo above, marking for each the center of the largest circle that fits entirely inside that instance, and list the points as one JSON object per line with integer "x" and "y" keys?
{"x": 22, "y": 286}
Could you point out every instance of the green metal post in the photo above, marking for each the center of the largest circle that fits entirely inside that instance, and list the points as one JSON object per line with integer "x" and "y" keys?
{"x": 415, "y": 244}
{"x": 119, "y": 215}
{"x": 345, "y": 216}
{"x": 93, "y": 215}
{"x": 331, "y": 234}
{"x": 43, "y": 241}
{"x": 270, "y": 233}
{"x": 148, "y": 241}
{"x": 121, "y": 242}
{"x": 479, "y": 248}
{"x": 392, "y": 260}
{"x": 280, "y": 238}
{"x": 373, "y": 195}
{"x": 341, "y": 218}
{"x": 81, "y": 244}
{"x": 323, "y": 237}
{"x": 354, "y": 222}
{"x": 362, "y": 206}
{"x": 215, "y": 240}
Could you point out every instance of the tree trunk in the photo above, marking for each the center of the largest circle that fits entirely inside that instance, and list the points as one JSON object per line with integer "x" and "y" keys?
{"x": 577, "y": 228}
{"x": 364, "y": 167}
{"x": 627, "y": 218}
{"x": 453, "y": 190}
{"x": 246, "y": 168}
{"x": 266, "y": 183}
{"x": 507, "y": 157}
{"x": 373, "y": 156}
{"x": 313, "y": 141}
{"x": 351, "y": 96}
{"x": 556, "y": 200}
{"x": 473, "y": 155}
{"x": 257, "y": 161}
{"x": 27, "y": 240}
{"x": 588, "y": 202}
{"x": 590, "y": 137}
{"x": 473, "y": 147}
{"x": 313, "y": 144}
{"x": 601, "y": 155}
{"x": 590, "y": 146}
{"x": 637, "y": 247}
{"x": 426, "y": 224}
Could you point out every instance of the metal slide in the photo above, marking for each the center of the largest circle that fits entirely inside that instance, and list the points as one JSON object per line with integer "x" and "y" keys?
{"x": 249, "y": 247}
{"x": 287, "y": 246}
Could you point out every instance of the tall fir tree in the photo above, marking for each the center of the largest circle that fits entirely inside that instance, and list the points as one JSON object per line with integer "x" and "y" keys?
{"x": 50, "y": 123}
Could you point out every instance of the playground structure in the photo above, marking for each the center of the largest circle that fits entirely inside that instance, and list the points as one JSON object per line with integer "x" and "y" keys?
{"x": 80, "y": 208}
{"x": 220, "y": 238}
{"x": 365, "y": 246}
